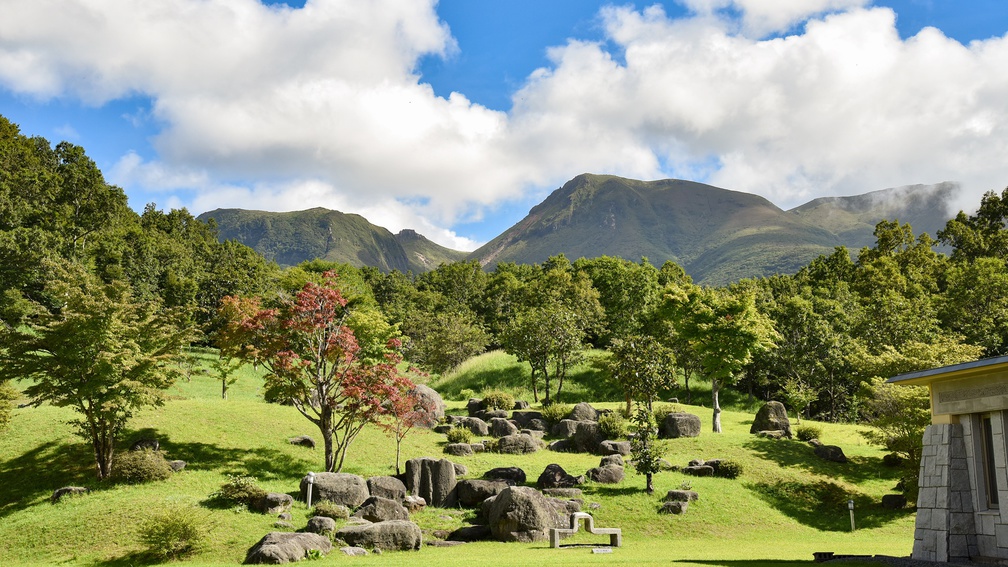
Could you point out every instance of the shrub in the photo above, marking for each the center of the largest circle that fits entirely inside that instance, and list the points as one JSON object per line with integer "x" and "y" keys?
{"x": 464, "y": 394}
{"x": 498, "y": 400}
{"x": 553, "y": 413}
{"x": 459, "y": 434}
{"x": 137, "y": 467}
{"x": 612, "y": 426}
{"x": 332, "y": 510}
{"x": 175, "y": 531}
{"x": 240, "y": 489}
{"x": 807, "y": 432}
{"x": 728, "y": 469}
{"x": 661, "y": 411}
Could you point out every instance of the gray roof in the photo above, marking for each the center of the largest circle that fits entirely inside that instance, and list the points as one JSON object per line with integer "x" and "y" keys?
{"x": 921, "y": 375}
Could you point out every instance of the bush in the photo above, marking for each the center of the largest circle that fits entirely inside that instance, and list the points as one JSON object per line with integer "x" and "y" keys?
{"x": 661, "y": 411}
{"x": 175, "y": 531}
{"x": 137, "y": 467}
{"x": 553, "y": 413}
{"x": 612, "y": 426}
{"x": 464, "y": 394}
{"x": 807, "y": 432}
{"x": 728, "y": 469}
{"x": 332, "y": 510}
{"x": 459, "y": 434}
{"x": 240, "y": 489}
{"x": 498, "y": 400}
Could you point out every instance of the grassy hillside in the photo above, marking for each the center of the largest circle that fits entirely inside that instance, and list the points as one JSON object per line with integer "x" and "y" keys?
{"x": 786, "y": 505}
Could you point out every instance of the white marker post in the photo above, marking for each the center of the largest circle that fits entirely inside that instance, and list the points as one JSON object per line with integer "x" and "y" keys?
{"x": 850, "y": 506}
{"x": 311, "y": 482}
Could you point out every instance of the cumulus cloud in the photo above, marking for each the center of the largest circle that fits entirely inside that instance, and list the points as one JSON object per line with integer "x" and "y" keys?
{"x": 282, "y": 109}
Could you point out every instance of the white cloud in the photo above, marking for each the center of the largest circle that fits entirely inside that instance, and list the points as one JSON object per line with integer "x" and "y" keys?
{"x": 284, "y": 109}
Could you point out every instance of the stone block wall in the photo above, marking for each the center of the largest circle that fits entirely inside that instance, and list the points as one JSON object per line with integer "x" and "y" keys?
{"x": 945, "y": 528}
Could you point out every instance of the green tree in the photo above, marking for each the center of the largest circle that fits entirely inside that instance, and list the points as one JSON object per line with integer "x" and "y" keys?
{"x": 101, "y": 354}
{"x": 644, "y": 447}
{"x": 983, "y": 234}
{"x": 627, "y": 293}
{"x": 643, "y": 367}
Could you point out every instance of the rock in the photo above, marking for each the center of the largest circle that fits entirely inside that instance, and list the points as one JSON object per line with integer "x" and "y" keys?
{"x": 561, "y": 446}
{"x": 587, "y": 437}
{"x": 682, "y": 496}
{"x": 393, "y": 535}
{"x": 274, "y": 503}
{"x": 321, "y": 525}
{"x": 335, "y": 511}
{"x": 520, "y": 405}
{"x": 608, "y": 474}
{"x": 302, "y": 441}
{"x": 891, "y": 460}
{"x": 177, "y": 465}
{"x": 353, "y": 551}
{"x": 538, "y": 425}
{"x": 378, "y": 509}
{"x": 283, "y": 525}
{"x": 433, "y": 480}
{"x": 564, "y": 507}
{"x": 458, "y": 449}
{"x": 432, "y": 405}
{"x": 772, "y": 417}
{"x": 285, "y": 517}
{"x": 443, "y": 429}
{"x": 473, "y": 406}
{"x": 522, "y": 514}
{"x": 387, "y": 487}
{"x": 59, "y": 493}
{"x": 676, "y": 425}
{"x": 487, "y": 415}
{"x": 284, "y": 547}
{"x": 583, "y": 412}
{"x": 894, "y": 501}
{"x": 145, "y": 445}
{"x": 674, "y": 507}
{"x": 553, "y": 476}
{"x": 699, "y": 470}
{"x": 774, "y": 434}
{"x": 443, "y": 543}
{"x": 460, "y": 470}
{"x": 614, "y": 448}
{"x": 347, "y": 489}
{"x": 472, "y": 492}
{"x": 476, "y": 425}
{"x": 533, "y": 433}
{"x": 510, "y": 475}
{"x": 470, "y": 533}
{"x": 611, "y": 460}
{"x": 817, "y": 443}
{"x": 665, "y": 465}
{"x": 517, "y": 445}
{"x": 564, "y": 429}
{"x": 566, "y": 493}
{"x": 501, "y": 427}
{"x": 414, "y": 503}
{"x": 831, "y": 453}
{"x": 523, "y": 418}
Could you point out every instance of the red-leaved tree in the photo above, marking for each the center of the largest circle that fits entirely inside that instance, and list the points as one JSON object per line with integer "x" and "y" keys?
{"x": 406, "y": 410}
{"x": 313, "y": 361}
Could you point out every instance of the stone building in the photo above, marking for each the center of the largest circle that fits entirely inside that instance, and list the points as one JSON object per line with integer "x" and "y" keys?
{"x": 963, "y": 474}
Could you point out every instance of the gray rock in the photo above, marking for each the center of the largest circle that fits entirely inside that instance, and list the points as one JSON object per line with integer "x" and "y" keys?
{"x": 699, "y": 470}
{"x": 553, "y": 476}
{"x": 321, "y": 525}
{"x": 583, "y": 412}
{"x": 472, "y": 492}
{"x": 473, "y": 406}
{"x": 894, "y": 501}
{"x": 772, "y": 417}
{"x": 476, "y": 425}
{"x": 414, "y": 503}
{"x": 517, "y": 445}
{"x": 674, "y": 507}
{"x": 378, "y": 509}
{"x": 510, "y": 475}
{"x": 608, "y": 474}
{"x": 561, "y": 446}
{"x": 522, "y": 514}
{"x": 302, "y": 441}
{"x": 831, "y": 453}
{"x": 347, "y": 489}
{"x": 145, "y": 445}
{"x": 470, "y": 533}
{"x": 59, "y": 493}
{"x": 285, "y": 516}
{"x": 433, "y": 480}
{"x": 682, "y": 496}
{"x": 538, "y": 425}
{"x": 177, "y": 465}
{"x": 564, "y": 429}
{"x": 775, "y": 434}
{"x": 587, "y": 437}
{"x": 387, "y": 487}
{"x": 487, "y": 415}
{"x": 274, "y": 503}
{"x": 501, "y": 427}
{"x": 614, "y": 448}
{"x": 676, "y": 425}
{"x": 523, "y": 418}
{"x": 458, "y": 449}
{"x": 611, "y": 460}
{"x": 393, "y": 535}
{"x": 477, "y": 447}
{"x": 460, "y": 469}
{"x": 283, "y": 525}
{"x": 284, "y": 547}
{"x": 335, "y": 511}
{"x": 533, "y": 433}
{"x": 565, "y": 493}
{"x": 443, "y": 429}
{"x": 353, "y": 551}
{"x": 432, "y": 405}
{"x": 520, "y": 405}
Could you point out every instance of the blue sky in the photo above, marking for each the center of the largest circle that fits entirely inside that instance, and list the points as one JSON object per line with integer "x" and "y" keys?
{"x": 455, "y": 117}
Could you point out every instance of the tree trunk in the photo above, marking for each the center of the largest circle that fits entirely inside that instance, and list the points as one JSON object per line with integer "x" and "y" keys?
{"x": 715, "y": 387}
{"x": 223, "y": 389}
{"x": 325, "y": 427}
{"x": 398, "y": 453}
{"x": 689, "y": 395}
{"x": 650, "y": 484}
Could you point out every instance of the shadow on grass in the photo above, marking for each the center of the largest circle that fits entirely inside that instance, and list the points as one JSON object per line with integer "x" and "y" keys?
{"x": 129, "y": 560}
{"x": 614, "y": 491}
{"x": 800, "y": 455}
{"x": 822, "y": 504}
{"x": 36, "y": 473}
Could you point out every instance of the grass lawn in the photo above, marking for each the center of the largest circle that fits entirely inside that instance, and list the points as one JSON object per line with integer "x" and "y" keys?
{"x": 786, "y": 505}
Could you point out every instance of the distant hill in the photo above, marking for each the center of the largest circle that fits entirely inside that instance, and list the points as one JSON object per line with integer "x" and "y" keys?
{"x": 293, "y": 237}
{"x": 718, "y": 236}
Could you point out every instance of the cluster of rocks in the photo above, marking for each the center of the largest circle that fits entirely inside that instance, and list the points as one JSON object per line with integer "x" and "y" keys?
{"x": 677, "y": 501}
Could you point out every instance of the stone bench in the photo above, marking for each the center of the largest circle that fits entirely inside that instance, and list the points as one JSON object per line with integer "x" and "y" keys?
{"x": 615, "y": 534}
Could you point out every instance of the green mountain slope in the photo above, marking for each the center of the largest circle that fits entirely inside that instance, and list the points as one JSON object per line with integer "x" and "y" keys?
{"x": 293, "y": 237}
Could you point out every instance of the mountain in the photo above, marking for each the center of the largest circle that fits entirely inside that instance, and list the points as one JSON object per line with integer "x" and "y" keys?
{"x": 293, "y": 237}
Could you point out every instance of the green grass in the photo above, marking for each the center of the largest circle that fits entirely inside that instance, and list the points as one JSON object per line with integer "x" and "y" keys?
{"x": 785, "y": 505}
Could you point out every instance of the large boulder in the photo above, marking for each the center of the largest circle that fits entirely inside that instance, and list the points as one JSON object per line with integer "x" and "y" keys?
{"x": 458, "y": 449}
{"x": 676, "y": 425}
{"x": 387, "y": 487}
{"x": 553, "y": 476}
{"x": 284, "y": 547}
{"x": 682, "y": 495}
{"x": 433, "y": 407}
{"x": 612, "y": 460}
{"x": 487, "y": 415}
{"x": 583, "y": 412}
{"x": 607, "y": 474}
{"x": 274, "y": 503}
{"x": 517, "y": 444}
{"x": 433, "y": 480}
{"x": 524, "y": 418}
{"x": 614, "y": 448}
{"x": 520, "y": 513}
{"x": 564, "y": 429}
{"x": 587, "y": 437}
{"x": 474, "y": 406}
{"x": 501, "y": 427}
{"x": 393, "y": 535}
{"x": 510, "y": 475}
{"x": 831, "y": 453}
{"x": 476, "y": 425}
{"x": 772, "y": 417}
{"x": 470, "y": 533}
{"x": 378, "y": 509}
{"x": 347, "y": 489}
{"x": 321, "y": 525}
{"x": 472, "y": 492}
